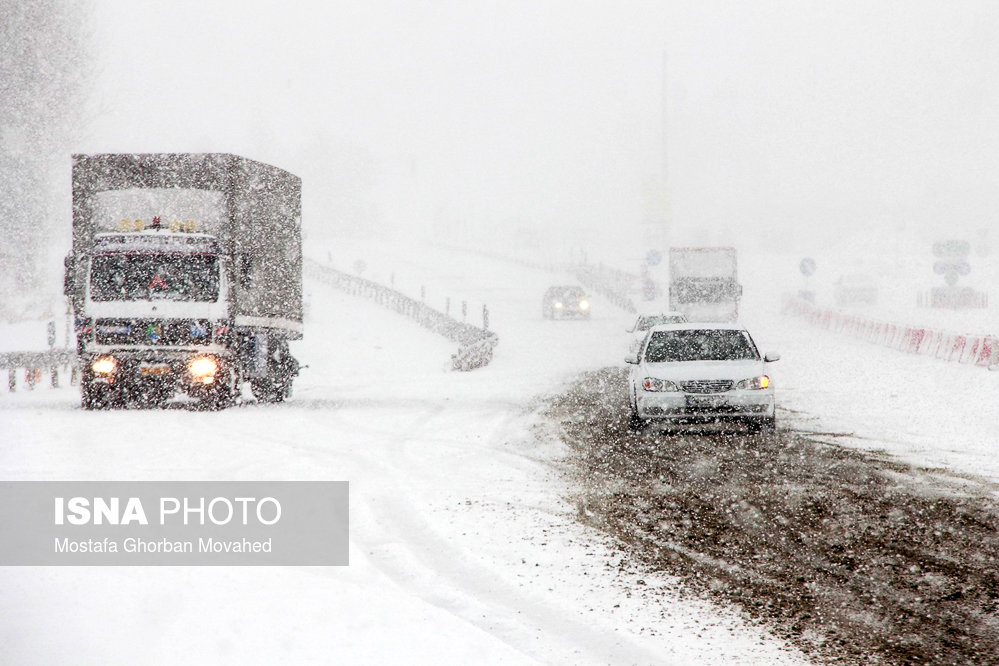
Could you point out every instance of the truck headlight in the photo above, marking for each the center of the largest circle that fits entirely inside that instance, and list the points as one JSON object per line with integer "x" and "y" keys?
{"x": 584, "y": 305}
{"x": 203, "y": 369}
{"x": 558, "y": 305}
{"x": 105, "y": 365}
{"x": 656, "y": 385}
{"x": 754, "y": 383}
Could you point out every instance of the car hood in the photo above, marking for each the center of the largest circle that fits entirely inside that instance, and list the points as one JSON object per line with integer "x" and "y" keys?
{"x": 689, "y": 370}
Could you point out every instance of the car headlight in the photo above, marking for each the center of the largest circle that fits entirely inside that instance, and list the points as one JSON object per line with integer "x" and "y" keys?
{"x": 754, "y": 383}
{"x": 584, "y": 305}
{"x": 203, "y": 369}
{"x": 105, "y": 365}
{"x": 558, "y": 305}
{"x": 655, "y": 384}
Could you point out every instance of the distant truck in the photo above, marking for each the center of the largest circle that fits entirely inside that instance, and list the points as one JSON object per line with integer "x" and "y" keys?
{"x": 704, "y": 283}
{"x": 856, "y": 289}
{"x": 185, "y": 278}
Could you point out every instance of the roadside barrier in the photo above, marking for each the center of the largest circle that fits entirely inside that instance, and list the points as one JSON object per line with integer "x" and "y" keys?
{"x": 475, "y": 345}
{"x": 981, "y": 350}
{"x": 612, "y": 284}
{"x": 34, "y": 366}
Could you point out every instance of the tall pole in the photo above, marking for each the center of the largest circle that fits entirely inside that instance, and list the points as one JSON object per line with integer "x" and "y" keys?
{"x": 665, "y": 119}
{"x": 667, "y": 202}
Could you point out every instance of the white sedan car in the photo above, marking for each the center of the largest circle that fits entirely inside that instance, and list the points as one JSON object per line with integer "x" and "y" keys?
{"x": 700, "y": 373}
{"x": 646, "y": 321}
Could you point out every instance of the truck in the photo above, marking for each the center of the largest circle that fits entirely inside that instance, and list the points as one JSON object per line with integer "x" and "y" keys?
{"x": 704, "y": 283}
{"x": 184, "y": 278}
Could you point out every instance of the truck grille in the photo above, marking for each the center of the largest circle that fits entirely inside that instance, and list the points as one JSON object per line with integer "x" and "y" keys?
{"x": 707, "y": 386}
{"x": 146, "y": 332}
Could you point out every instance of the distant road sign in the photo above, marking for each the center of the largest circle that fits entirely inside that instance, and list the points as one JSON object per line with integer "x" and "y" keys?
{"x": 807, "y": 266}
{"x": 951, "y": 266}
{"x": 951, "y": 249}
{"x": 649, "y": 290}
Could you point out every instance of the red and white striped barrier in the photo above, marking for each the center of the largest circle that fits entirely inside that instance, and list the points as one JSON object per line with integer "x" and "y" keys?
{"x": 980, "y": 350}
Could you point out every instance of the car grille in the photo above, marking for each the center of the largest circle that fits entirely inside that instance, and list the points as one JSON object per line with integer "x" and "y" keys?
{"x": 152, "y": 332}
{"x": 707, "y": 386}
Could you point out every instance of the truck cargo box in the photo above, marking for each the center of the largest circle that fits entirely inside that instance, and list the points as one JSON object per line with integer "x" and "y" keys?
{"x": 252, "y": 209}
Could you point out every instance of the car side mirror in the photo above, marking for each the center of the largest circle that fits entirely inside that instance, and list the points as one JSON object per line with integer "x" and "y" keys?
{"x": 632, "y": 359}
{"x": 771, "y": 357}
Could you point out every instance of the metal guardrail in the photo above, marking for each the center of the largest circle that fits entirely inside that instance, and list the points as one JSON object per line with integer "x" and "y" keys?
{"x": 970, "y": 349}
{"x": 35, "y": 364}
{"x": 475, "y": 345}
{"x": 612, "y": 284}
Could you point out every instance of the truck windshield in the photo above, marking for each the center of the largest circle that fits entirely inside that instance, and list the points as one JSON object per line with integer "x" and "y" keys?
{"x": 700, "y": 345}
{"x": 704, "y": 291}
{"x": 154, "y": 277}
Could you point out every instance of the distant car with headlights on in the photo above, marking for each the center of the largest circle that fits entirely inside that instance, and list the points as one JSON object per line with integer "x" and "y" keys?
{"x": 700, "y": 373}
{"x": 857, "y": 289}
{"x": 564, "y": 302}
{"x": 646, "y": 321}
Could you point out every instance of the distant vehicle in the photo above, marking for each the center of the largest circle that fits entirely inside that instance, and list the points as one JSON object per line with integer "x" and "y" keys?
{"x": 562, "y": 302}
{"x": 646, "y": 321}
{"x": 704, "y": 283}
{"x": 700, "y": 373}
{"x": 856, "y": 289}
{"x": 185, "y": 277}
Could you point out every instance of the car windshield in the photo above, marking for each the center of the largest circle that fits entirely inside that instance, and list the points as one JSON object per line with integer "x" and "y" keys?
{"x": 152, "y": 277}
{"x": 645, "y": 323}
{"x": 568, "y": 293}
{"x": 700, "y": 345}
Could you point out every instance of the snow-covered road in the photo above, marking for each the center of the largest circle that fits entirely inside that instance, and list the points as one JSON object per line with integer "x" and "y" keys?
{"x": 462, "y": 548}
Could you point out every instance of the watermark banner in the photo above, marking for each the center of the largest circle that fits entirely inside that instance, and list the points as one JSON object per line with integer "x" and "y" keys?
{"x": 199, "y": 523}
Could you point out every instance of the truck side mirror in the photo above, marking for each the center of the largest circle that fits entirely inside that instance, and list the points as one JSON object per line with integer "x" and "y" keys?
{"x": 244, "y": 269}
{"x": 67, "y": 278}
{"x": 771, "y": 357}
{"x": 632, "y": 359}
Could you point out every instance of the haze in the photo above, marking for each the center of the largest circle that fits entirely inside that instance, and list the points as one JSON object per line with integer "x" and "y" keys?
{"x": 789, "y": 123}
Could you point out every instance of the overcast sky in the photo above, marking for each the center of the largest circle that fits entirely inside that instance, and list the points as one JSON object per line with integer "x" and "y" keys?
{"x": 807, "y": 119}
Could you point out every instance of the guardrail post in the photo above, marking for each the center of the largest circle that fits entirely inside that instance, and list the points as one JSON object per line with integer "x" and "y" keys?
{"x": 54, "y": 374}
{"x": 74, "y": 376}
{"x": 11, "y": 379}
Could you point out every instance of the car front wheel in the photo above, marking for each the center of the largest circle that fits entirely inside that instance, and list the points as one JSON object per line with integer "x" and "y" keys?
{"x": 766, "y": 425}
{"x": 635, "y": 422}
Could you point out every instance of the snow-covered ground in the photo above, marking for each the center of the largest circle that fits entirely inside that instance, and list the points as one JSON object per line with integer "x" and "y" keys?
{"x": 919, "y": 409}
{"x": 462, "y": 546}
{"x": 463, "y": 549}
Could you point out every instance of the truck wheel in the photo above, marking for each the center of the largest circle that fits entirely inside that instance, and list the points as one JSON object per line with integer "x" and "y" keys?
{"x": 219, "y": 398}
{"x": 92, "y": 398}
{"x": 265, "y": 390}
